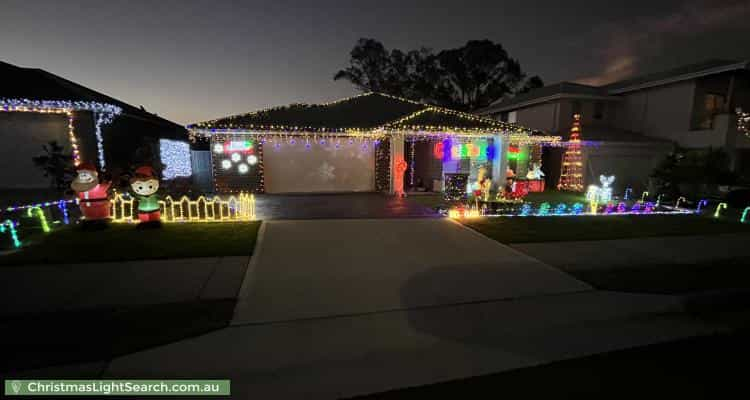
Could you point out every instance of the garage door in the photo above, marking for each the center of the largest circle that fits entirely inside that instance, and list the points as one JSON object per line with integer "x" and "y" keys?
{"x": 329, "y": 167}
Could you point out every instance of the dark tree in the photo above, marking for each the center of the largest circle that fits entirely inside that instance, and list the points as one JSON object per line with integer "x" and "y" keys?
{"x": 56, "y": 165}
{"x": 466, "y": 78}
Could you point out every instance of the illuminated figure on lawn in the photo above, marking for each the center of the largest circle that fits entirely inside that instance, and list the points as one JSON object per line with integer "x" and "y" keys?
{"x": 145, "y": 185}
{"x": 481, "y": 188}
{"x": 92, "y": 195}
{"x": 398, "y": 178}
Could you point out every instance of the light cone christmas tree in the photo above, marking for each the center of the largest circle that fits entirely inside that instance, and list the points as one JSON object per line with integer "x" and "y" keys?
{"x": 571, "y": 178}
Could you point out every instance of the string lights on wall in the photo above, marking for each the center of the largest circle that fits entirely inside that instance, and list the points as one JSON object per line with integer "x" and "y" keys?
{"x": 103, "y": 114}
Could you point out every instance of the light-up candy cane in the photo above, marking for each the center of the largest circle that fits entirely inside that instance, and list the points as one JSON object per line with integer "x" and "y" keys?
{"x": 543, "y": 209}
{"x": 679, "y": 199}
{"x": 560, "y": 209}
{"x": 701, "y": 203}
{"x": 577, "y": 208}
{"x": 11, "y": 228}
{"x": 719, "y": 207}
{"x": 744, "y": 214}
{"x": 658, "y": 200}
{"x": 643, "y": 197}
{"x": 621, "y": 207}
{"x": 525, "y": 209}
{"x": 40, "y": 214}
{"x": 594, "y": 205}
{"x": 628, "y": 193}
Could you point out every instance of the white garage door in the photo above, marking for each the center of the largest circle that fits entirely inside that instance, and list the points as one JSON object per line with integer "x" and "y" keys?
{"x": 299, "y": 168}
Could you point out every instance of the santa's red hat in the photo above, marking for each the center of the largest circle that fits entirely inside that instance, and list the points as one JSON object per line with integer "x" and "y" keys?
{"x": 144, "y": 172}
{"x": 86, "y": 167}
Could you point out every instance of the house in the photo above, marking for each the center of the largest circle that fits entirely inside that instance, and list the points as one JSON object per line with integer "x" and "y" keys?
{"x": 37, "y": 107}
{"x": 628, "y": 126}
{"x": 369, "y": 142}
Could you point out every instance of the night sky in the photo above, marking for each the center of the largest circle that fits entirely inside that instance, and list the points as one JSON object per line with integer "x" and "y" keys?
{"x": 194, "y": 60}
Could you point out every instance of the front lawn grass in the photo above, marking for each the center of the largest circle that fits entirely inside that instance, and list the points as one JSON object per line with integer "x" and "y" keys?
{"x": 730, "y": 273}
{"x": 695, "y": 368}
{"x": 123, "y": 242}
{"x": 557, "y": 229}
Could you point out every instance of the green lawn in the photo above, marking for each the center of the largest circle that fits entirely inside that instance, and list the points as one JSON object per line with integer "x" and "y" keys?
{"x": 102, "y": 334}
{"x": 121, "y": 242}
{"x": 696, "y": 368}
{"x": 730, "y": 273}
{"x": 556, "y": 229}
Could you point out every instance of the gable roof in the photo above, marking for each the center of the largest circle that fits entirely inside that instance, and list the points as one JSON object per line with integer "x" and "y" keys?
{"x": 546, "y": 93}
{"x": 36, "y": 84}
{"x": 610, "y": 91}
{"x": 682, "y": 73}
{"x": 368, "y": 111}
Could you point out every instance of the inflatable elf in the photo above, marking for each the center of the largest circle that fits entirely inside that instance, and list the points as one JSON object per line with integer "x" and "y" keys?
{"x": 145, "y": 184}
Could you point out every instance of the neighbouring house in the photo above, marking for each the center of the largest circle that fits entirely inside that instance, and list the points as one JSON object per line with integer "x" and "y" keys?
{"x": 364, "y": 143}
{"x": 37, "y": 107}
{"x": 630, "y": 125}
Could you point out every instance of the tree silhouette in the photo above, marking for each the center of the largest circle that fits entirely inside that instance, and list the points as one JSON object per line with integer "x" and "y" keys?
{"x": 56, "y": 165}
{"x": 465, "y": 78}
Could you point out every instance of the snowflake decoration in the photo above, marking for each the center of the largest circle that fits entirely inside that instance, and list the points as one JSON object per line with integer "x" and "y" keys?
{"x": 326, "y": 172}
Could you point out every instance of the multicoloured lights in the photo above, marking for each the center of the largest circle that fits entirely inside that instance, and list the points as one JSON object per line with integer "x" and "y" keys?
{"x": 447, "y": 150}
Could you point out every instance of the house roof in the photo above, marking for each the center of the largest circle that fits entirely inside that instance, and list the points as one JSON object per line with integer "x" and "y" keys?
{"x": 37, "y": 84}
{"x": 610, "y": 91}
{"x": 366, "y": 112}
{"x": 682, "y": 73}
{"x": 544, "y": 94}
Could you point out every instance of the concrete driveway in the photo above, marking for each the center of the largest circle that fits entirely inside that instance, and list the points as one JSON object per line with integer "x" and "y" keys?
{"x": 309, "y": 269}
{"x": 339, "y": 205}
{"x": 335, "y": 308}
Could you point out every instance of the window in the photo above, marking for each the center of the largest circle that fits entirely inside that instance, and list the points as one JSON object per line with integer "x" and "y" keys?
{"x": 599, "y": 110}
{"x": 705, "y": 110}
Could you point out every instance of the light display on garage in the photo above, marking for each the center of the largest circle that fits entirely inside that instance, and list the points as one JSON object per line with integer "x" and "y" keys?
{"x": 478, "y": 150}
{"x": 238, "y": 164}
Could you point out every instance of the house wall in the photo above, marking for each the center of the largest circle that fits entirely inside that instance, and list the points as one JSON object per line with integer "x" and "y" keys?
{"x": 630, "y": 163}
{"x": 22, "y": 135}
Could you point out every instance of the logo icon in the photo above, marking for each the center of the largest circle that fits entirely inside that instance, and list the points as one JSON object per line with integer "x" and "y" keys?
{"x": 16, "y": 385}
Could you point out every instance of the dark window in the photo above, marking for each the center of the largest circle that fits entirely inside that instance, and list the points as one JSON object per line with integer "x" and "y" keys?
{"x": 599, "y": 110}
{"x": 503, "y": 116}
{"x": 705, "y": 109}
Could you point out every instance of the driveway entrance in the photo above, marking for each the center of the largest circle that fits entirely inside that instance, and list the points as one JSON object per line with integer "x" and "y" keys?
{"x": 336, "y": 206}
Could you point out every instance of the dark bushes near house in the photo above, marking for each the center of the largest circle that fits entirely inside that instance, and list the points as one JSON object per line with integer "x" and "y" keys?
{"x": 694, "y": 173}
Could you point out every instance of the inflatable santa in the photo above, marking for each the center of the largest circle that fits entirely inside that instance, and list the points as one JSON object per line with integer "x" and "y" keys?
{"x": 92, "y": 195}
